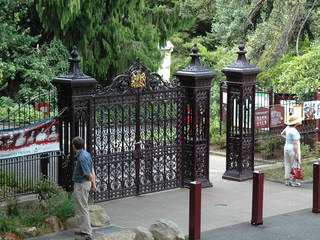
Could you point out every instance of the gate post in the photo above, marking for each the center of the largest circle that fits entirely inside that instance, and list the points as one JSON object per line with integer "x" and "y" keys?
{"x": 241, "y": 81}
{"x": 196, "y": 82}
{"x": 73, "y": 84}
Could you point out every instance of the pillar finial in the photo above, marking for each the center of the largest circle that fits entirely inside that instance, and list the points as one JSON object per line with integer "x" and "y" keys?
{"x": 241, "y": 61}
{"x": 74, "y": 63}
{"x": 195, "y": 65}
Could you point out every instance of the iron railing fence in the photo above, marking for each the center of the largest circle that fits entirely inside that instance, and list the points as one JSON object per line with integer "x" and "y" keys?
{"x": 31, "y": 110}
{"x": 268, "y": 141}
{"x": 20, "y": 175}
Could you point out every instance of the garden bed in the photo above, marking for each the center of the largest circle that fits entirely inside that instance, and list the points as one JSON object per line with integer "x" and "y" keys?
{"x": 276, "y": 174}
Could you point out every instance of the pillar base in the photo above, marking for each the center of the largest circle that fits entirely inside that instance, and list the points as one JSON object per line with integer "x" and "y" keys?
{"x": 235, "y": 175}
{"x": 316, "y": 210}
{"x": 205, "y": 183}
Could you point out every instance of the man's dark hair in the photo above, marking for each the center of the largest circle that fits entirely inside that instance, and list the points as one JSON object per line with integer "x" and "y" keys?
{"x": 78, "y": 143}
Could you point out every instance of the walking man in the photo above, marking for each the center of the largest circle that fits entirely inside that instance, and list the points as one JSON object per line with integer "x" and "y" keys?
{"x": 83, "y": 178}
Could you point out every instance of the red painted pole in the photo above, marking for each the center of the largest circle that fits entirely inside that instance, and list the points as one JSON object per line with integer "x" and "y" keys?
{"x": 316, "y": 188}
{"x": 195, "y": 211}
{"x": 257, "y": 198}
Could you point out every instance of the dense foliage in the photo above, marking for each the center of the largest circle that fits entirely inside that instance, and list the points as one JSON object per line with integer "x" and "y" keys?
{"x": 26, "y": 64}
{"x": 111, "y": 34}
{"x": 281, "y": 36}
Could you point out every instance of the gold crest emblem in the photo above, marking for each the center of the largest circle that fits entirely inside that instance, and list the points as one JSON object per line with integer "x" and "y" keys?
{"x": 138, "y": 80}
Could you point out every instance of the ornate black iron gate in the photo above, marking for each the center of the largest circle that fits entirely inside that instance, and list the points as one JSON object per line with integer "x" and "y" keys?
{"x": 137, "y": 135}
{"x": 144, "y": 135}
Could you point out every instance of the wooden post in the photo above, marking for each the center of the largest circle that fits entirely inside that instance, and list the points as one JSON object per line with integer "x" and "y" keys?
{"x": 316, "y": 188}
{"x": 195, "y": 211}
{"x": 257, "y": 198}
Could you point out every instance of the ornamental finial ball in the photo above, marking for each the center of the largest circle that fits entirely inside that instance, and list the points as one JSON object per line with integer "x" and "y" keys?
{"x": 195, "y": 49}
{"x": 241, "y": 46}
{"x": 74, "y": 52}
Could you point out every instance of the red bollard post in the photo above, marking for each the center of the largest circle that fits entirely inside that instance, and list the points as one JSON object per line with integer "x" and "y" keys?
{"x": 257, "y": 198}
{"x": 195, "y": 211}
{"x": 316, "y": 188}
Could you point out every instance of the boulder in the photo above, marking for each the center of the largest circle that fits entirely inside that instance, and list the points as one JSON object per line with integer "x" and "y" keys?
{"x": 71, "y": 222}
{"x": 9, "y": 236}
{"x": 142, "y": 233}
{"x": 164, "y": 229}
{"x": 53, "y": 224}
{"x": 98, "y": 216}
{"x": 126, "y": 234}
{"x": 29, "y": 231}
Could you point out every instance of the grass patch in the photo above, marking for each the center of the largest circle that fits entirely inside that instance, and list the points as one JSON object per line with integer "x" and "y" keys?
{"x": 278, "y": 173}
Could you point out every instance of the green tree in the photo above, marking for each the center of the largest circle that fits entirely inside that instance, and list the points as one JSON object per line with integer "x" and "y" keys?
{"x": 26, "y": 65}
{"x": 296, "y": 74}
{"x": 111, "y": 34}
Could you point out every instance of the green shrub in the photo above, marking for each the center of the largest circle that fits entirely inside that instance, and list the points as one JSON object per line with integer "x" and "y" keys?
{"x": 9, "y": 184}
{"x": 8, "y": 224}
{"x": 47, "y": 189}
{"x": 13, "y": 208}
{"x": 63, "y": 206}
{"x": 270, "y": 146}
{"x": 305, "y": 150}
{"x": 53, "y": 201}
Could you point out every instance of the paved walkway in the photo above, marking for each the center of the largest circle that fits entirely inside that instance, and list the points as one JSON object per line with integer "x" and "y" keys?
{"x": 226, "y": 210}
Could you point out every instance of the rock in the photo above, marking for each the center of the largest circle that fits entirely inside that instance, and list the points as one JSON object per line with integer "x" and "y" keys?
{"x": 71, "y": 222}
{"x": 9, "y": 236}
{"x": 29, "y": 231}
{"x": 53, "y": 224}
{"x": 98, "y": 216}
{"x": 126, "y": 234}
{"x": 142, "y": 233}
{"x": 165, "y": 229}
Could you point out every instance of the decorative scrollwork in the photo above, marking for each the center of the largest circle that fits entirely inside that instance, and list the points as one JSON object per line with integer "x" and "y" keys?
{"x": 137, "y": 77}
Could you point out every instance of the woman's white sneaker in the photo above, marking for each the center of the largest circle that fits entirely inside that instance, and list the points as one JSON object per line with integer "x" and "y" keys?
{"x": 295, "y": 184}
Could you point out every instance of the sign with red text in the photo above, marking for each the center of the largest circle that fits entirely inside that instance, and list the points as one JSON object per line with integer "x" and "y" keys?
{"x": 43, "y": 107}
{"x": 262, "y": 118}
{"x": 276, "y": 116}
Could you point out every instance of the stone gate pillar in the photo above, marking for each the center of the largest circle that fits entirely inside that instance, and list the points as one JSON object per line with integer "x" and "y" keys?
{"x": 196, "y": 82}
{"x": 72, "y": 87}
{"x": 241, "y": 81}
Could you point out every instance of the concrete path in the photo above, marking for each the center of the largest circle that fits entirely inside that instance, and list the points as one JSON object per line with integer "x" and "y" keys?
{"x": 226, "y": 203}
{"x": 226, "y": 210}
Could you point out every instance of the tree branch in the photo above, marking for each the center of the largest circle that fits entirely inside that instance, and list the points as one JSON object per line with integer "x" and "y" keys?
{"x": 253, "y": 12}
{"x": 302, "y": 26}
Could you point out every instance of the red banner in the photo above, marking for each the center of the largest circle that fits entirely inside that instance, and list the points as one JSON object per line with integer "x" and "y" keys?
{"x": 32, "y": 139}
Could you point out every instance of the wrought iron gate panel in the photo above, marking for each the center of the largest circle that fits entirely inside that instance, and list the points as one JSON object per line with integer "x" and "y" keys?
{"x": 161, "y": 125}
{"x": 137, "y": 135}
{"x": 114, "y": 138}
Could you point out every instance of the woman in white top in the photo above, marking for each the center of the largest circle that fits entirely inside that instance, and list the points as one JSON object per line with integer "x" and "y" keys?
{"x": 291, "y": 148}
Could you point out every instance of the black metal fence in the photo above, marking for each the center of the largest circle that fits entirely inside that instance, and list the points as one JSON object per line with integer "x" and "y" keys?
{"x": 268, "y": 141}
{"x": 20, "y": 175}
{"x": 30, "y": 110}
